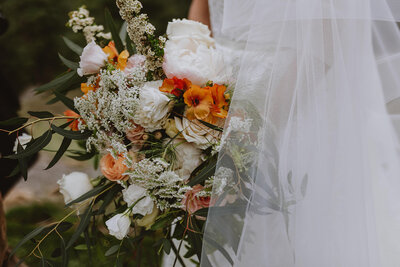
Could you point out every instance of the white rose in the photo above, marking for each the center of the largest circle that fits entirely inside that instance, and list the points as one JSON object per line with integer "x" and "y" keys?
{"x": 92, "y": 59}
{"x": 148, "y": 220}
{"x": 188, "y": 158}
{"x": 195, "y": 132}
{"x": 118, "y": 225}
{"x": 190, "y": 53}
{"x": 74, "y": 185}
{"x": 23, "y": 139}
{"x": 136, "y": 194}
{"x": 154, "y": 107}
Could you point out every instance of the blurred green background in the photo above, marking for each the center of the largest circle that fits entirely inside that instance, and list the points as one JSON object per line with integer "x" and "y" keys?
{"x": 29, "y": 48}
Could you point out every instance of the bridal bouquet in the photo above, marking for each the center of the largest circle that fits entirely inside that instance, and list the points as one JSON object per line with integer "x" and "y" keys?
{"x": 151, "y": 111}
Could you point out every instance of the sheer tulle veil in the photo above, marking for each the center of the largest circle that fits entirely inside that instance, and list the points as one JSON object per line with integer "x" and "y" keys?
{"x": 316, "y": 179}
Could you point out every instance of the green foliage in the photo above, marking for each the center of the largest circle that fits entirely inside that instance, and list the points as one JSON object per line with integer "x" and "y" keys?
{"x": 34, "y": 39}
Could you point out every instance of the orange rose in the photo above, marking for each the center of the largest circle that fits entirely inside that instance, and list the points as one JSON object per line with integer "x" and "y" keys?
{"x": 113, "y": 169}
{"x": 199, "y": 101}
{"x": 75, "y": 122}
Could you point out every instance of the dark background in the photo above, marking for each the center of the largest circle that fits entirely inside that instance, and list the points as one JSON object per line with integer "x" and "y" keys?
{"x": 28, "y": 50}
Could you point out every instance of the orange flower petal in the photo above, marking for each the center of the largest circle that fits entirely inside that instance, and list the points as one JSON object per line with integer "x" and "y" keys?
{"x": 86, "y": 88}
{"x": 122, "y": 60}
{"x": 202, "y": 111}
{"x": 111, "y": 51}
{"x": 75, "y": 122}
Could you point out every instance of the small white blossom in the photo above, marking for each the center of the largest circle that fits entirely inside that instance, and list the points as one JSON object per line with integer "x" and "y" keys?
{"x": 23, "y": 139}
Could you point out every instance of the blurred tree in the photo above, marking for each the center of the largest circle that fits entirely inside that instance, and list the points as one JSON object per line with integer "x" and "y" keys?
{"x": 30, "y": 46}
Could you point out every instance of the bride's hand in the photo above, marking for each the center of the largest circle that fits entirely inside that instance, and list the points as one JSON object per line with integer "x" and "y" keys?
{"x": 199, "y": 11}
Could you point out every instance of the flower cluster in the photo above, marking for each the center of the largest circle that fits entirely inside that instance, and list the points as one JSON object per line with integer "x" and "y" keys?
{"x": 141, "y": 32}
{"x": 80, "y": 21}
{"x": 153, "y": 135}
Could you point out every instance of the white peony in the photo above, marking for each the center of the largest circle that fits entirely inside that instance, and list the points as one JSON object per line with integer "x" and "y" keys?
{"x": 195, "y": 132}
{"x": 92, "y": 59}
{"x": 189, "y": 29}
{"x": 190, "y": 53}
{"x": 118, "y": 225}
{"x": 23, "y": 139}
{"x": 136, "y": 195}
{"x": 154, "y": 107}
{"x": 74, "y": 185}
{"x": 188, "y": 158}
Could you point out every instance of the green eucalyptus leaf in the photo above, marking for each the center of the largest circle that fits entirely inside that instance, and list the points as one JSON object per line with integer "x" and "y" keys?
{"x": 65, "y": 100}
{"x": 14, "y": 122}
{"x": 73, "y": 46}
{"x": 27, "y": 238}
{"x": 85, "y": 219}
{"x": 34, "y": 146}
{"x": 41, "y": 114}
{"x": 56, "y": 82}
{"x": 212, "y": 126}
{"x": 60, "y": 152}
{"x": 75, "y": 135}
{"x": 114, "y": 32}
{"x": 70, "y": 64}
{"x": 111, "y": 250}
{"x": 95, "y": 191}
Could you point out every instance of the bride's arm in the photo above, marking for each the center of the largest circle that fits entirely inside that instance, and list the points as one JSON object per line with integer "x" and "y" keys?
{"x": 199, "y": 11}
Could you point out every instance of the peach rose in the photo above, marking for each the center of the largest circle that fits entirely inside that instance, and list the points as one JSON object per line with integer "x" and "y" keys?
{"x": 136, "y": 136}
{"x": 192, "y": 202}
{"x": 113, "y": 169}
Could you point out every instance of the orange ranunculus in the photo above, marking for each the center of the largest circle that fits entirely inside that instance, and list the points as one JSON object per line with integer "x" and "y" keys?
{"x": 111, "y": 51}
{"x": 74, "y": 124}
{"x": 175, "y": 86}
{"x": 219, "y": 101}
{"x": 199, "y": 101}
{"x": 122, "y": 60}
{"x": 113, "y": 169}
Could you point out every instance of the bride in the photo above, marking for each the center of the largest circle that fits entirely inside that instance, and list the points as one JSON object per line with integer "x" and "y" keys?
{"x": 315, "y": 79}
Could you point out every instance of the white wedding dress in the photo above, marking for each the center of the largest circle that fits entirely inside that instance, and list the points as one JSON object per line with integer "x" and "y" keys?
{"x": 323, "y": 189}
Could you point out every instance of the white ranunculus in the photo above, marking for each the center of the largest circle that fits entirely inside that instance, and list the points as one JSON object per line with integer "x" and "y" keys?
{"x": 136, "y": 194}
{"x": 92, "y": 59}
{"x": 195, "y": 132}
{"x": 118, "y": 226}
{"x": 74, "y": 185}
{"x": 154, "y": 107}
{"x": 23, "y": 139}
{"x": 190, "y": 53}
{"x": 188, "y": 158}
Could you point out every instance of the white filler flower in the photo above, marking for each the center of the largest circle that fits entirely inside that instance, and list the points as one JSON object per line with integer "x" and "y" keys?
{"x": 92, "y": 59}
{"x": 137, "y": 196}
{"x": 74, "y": 185}
{"x": 23, "y": 139}
{"x": 118, "y": 226}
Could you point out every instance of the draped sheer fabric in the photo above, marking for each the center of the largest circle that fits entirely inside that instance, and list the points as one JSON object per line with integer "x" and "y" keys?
{"x": 317, "y": 174}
